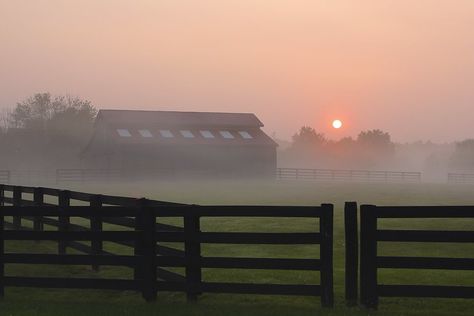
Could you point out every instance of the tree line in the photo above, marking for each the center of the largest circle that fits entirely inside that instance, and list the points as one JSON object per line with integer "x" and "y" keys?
{"x": 313, "y": 149}
{"x": 374, "y": 149}
{"x": 45, "y": 131}
{"x": 50, "y": 131}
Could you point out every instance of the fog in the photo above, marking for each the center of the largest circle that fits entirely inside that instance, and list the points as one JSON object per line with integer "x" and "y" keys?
{"x": 401, "y": 66}
{"x": 61, "y": 140}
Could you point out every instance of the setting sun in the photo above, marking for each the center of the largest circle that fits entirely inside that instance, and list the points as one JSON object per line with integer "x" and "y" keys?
{"x": 337, "y": 124}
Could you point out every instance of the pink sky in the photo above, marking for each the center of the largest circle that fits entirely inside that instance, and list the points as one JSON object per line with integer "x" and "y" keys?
{"x": 406, "y": 67}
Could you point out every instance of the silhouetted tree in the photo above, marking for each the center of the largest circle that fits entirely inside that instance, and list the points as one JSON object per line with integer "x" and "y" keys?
{"x": 5, "y": 115}
{"x": 308, "y": 138}
{"x": 463, "y": 156}
{"x": 63, "y": 119}
{"x": 375, "y": 138}
{"x": 375, "y": 146}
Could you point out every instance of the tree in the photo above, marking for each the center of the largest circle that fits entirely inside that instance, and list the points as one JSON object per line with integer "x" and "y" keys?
{"x": 308, "y": 138}
{"x": 376, "y": 144}
{"x": 374, "y": 138}
{"x": 63, "y": 119}
{"x": 5, "y": 114}
{"x": 463, "y": 156}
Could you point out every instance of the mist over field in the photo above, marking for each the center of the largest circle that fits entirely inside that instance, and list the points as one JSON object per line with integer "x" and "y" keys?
{"x": 401, "y": 70}
{"x": 44, "y": 133}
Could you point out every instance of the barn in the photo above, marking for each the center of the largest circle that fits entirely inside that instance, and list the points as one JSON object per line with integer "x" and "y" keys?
{"x": 148, "y": 143}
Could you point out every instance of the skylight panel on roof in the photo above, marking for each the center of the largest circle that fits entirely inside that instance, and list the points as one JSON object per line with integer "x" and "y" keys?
{"x": 226, "y": 134}
{"x": 145, "y": 133}
{"x": 166, "y": 133}
{"x": 245, "y": 135}
{"x": 187, "y": 134}
{"x": 206, "y": 134}
{"x": 123, "y": 132}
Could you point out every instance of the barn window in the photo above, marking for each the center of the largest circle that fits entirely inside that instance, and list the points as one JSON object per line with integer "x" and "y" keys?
{"x": 123, "y": 132}
{"x": 245, "y": 135}
{"x": 187, "y": 134}
{"x": 226, "y": 134}
{"x": 166, "y": 133}
{"x": 145, "y": 133}
{"x": 206, "y": 134}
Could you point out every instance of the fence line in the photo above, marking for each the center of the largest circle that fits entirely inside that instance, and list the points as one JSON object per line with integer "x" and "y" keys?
{"x": 142, "y": 232}
{"x": 370, "y": 261}
{"x": 4, "y": 176}
{"x": 150, "y": 259}
{"x": 461, "y": 178}
{"x": 65, "y": 176}
{"x": 64, "y": 199}
{"x": 88, "y": 175}
{"x": 347, "y": 175}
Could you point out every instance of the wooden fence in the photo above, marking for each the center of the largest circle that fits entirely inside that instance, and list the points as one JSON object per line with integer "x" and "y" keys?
{"x": 135, "y": 224}
{"x": 370, "y": 261}
{"x": 461, "y": 178}
{"x": 347, "y": 175}
{"x": 4, "y": 176}
{"x": 88, "y": 175}
{"x": 141, "y": 232}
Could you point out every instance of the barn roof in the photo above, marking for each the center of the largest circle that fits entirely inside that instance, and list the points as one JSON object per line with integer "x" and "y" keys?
{"x": 174, "y": 118}
{"x": 133, "y": 127}
{"x": 240, "y": 137}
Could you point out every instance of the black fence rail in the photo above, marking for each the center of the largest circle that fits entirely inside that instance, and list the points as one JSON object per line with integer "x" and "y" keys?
{"x": 66, "y": 235}
{"x": 5, "y": 176}
{"x": 370, "y": 261}
{"x": 461, "y": 178}
{"x": 21, "y": 196}
{"x": 347, "y": 175}
{"x": 142, "y": 231}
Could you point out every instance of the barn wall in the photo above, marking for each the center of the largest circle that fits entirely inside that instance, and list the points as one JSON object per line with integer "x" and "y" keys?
{"x": 232, "y": 161}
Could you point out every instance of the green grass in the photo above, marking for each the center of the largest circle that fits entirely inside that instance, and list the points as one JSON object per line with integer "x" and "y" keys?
{"x": 28, "y": 301}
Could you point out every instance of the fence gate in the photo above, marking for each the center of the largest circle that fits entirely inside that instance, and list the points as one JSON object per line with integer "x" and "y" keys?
{"x": 371, "y": 290}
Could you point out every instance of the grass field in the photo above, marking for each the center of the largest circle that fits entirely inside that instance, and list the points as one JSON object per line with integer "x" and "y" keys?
{"x": 19, "y": 301}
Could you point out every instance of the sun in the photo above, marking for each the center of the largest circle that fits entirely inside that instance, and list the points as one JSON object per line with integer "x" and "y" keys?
{"x": 337, "y": 124}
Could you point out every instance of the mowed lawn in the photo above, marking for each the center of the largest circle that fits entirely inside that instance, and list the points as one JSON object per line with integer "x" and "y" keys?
{"x": 30, "y": 301}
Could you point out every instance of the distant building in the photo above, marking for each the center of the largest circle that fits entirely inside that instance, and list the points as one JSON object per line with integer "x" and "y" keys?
{"x": 142, "y": 143}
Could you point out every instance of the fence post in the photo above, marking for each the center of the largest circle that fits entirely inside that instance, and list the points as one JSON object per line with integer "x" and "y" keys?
{"x": 149, "y": 276}
{"x": 192, "y": 252}
{"x": 17, "y": 202}
{"x": 64, "y": 220}
{"x": 326, "y": 255}
{"x": 352, "y": 252}
{"x": 368, "y": 256}
{"x": 2, "y": 251}
{"x": 2, "y": 194}
{"x": 38, "y": 199}
{"x": 96, "y": 225}
{"x": 138, "y": 249}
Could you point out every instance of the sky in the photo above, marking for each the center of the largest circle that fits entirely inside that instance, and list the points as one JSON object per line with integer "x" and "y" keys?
{"x": 403, "y": 66}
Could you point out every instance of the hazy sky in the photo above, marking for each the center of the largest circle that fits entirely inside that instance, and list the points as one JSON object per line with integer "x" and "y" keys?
{"x": 403, "y": 66}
